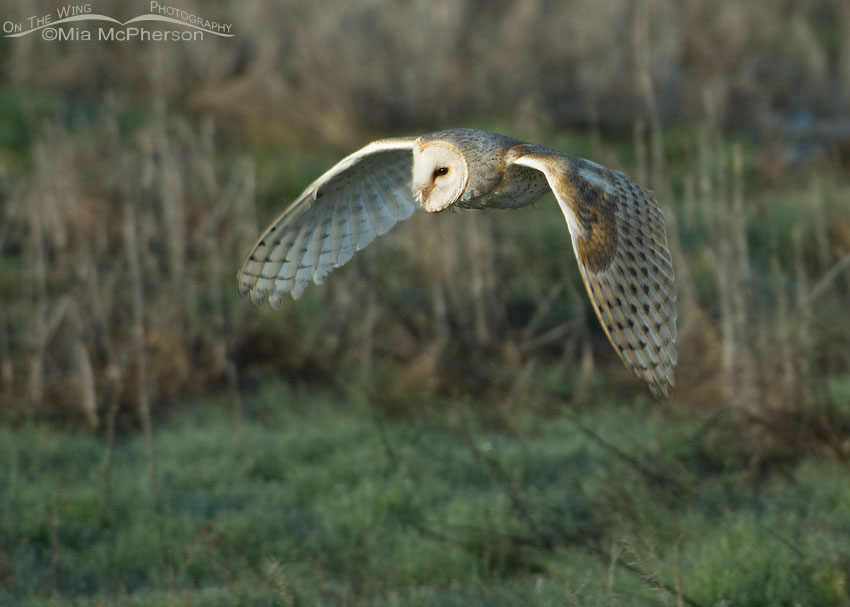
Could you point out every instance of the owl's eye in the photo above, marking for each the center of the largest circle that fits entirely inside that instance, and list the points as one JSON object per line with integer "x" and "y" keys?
{"x": 439, "y": 171}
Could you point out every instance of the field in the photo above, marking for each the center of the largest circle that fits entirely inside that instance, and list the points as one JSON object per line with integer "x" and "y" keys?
{"x": 443, "y": 422}
{"x": 305, "y": 500}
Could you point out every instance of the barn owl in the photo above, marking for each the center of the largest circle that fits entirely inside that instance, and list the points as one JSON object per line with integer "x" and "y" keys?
{"x": 616, "y": 227}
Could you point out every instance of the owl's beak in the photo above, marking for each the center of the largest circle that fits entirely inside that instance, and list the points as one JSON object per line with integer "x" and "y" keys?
{"x": 423, "y": 193}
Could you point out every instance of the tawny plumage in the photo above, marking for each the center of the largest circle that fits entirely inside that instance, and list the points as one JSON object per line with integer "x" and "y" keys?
{"x": 616, "y": 227}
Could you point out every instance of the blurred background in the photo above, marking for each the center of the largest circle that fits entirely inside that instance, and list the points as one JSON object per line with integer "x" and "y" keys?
{"x": 442, "y": 422}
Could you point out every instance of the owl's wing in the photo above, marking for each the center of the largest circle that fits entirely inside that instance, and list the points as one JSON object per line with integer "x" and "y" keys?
{"x": 362, "y": 196}
{"x": 617, "y": 231}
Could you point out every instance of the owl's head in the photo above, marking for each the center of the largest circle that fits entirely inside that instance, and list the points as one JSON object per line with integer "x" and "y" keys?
{"x": 440, "y": 175}
{"x": 458, "y": 166}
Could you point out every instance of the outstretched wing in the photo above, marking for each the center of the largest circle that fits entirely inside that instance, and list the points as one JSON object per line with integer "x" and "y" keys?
{"x": 617, "y": 232}
{"x": 362, "y": 196}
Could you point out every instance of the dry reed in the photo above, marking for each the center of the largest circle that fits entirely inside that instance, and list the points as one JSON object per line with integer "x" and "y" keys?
{"x": 124, "y": 241}
{"x": 381, "y": 65}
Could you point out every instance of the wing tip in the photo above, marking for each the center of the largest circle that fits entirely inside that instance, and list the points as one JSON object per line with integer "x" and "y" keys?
{"x": 663, "y": 388}
{"x": 660, "y": 377}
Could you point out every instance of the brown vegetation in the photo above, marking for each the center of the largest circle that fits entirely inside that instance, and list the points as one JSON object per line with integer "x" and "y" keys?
{"x": 118, "y": 253}
{"x": 120, "y": 243}
{"x": 301, "y": 70}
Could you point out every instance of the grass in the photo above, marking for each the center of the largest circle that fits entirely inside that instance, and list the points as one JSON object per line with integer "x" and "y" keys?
{"x": 410, "y": 470}
{"x": 430, "y": 456}
{"x": 310, "y": 500}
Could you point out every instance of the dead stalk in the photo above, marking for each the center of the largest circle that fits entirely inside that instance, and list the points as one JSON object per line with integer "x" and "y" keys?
{"x": 139, "y": 341}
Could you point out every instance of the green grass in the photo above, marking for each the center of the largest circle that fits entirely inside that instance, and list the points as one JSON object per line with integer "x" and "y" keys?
{"x": 312, "y": 501}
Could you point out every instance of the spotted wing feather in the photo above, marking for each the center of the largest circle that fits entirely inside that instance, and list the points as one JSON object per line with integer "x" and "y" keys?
{"x": 361, "y": 197}
{"x": 618, "y": 235}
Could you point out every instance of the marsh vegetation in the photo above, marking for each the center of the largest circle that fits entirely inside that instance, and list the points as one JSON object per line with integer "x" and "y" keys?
{"x": 442, "y": 422}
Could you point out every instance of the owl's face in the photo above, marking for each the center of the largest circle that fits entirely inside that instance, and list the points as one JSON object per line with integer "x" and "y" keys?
{"x": 440, "y": 175}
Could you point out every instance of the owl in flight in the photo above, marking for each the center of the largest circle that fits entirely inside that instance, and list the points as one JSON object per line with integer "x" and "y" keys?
{"x": 616, "y": 227}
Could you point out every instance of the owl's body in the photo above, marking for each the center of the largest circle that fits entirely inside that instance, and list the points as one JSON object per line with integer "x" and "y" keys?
{"x": 616, "y": 227}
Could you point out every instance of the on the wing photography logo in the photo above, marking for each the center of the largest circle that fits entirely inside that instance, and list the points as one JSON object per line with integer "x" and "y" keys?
{"x": 163, "y": 23}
